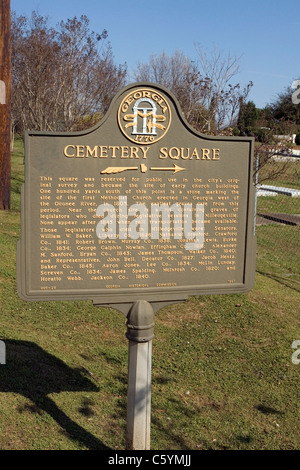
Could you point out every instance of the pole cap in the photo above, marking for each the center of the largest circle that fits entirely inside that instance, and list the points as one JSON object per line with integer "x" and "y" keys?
{"x": 140, "y": 322}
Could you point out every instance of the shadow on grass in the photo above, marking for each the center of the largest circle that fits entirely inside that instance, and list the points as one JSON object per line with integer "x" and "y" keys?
{"x": 267, "y": 410}
{"x": 32, "y": 372}
{"x": 291, "y": 283}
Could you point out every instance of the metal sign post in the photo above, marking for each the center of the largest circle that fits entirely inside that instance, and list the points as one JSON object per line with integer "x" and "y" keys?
{"x": 139, "y": 333}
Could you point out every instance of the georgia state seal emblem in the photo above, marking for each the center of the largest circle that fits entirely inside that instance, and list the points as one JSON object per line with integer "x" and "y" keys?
{"x": 144, "y": 116}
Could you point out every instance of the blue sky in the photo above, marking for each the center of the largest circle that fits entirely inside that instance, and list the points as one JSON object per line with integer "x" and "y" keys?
{"x": 265, "y": 33}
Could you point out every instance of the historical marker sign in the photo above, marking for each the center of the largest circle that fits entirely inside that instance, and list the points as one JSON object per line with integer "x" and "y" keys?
{"x": 139, "y": 207}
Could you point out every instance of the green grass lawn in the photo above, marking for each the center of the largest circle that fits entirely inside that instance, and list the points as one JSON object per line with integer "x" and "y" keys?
{"x": 222, "y": 371}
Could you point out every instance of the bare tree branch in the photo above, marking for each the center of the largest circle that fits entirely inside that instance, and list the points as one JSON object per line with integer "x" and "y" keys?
{"x": 64, "y": 78}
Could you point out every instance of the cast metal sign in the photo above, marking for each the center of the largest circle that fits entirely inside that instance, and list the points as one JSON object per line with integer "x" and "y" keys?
{"x": 141, "y": 206}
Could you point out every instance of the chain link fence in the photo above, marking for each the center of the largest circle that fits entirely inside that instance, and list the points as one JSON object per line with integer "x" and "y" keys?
{"x": 278, "y": 220}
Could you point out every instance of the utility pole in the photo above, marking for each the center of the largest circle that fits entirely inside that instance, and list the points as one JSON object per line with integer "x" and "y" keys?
{"x": 5, "y": 104}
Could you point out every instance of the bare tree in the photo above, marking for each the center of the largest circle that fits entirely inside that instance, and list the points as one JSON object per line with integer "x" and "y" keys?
{"x": 207, "y": 98}
{"x": 33, "y": 62}
{"x": 63, "y": 79}
{"x": 222, "y": 98}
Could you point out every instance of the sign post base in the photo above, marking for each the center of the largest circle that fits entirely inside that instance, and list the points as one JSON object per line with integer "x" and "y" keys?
{"x": 140, "y": 333}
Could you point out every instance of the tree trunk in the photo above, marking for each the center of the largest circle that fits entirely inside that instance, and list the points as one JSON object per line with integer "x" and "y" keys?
{"x": 5, "y": 104}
